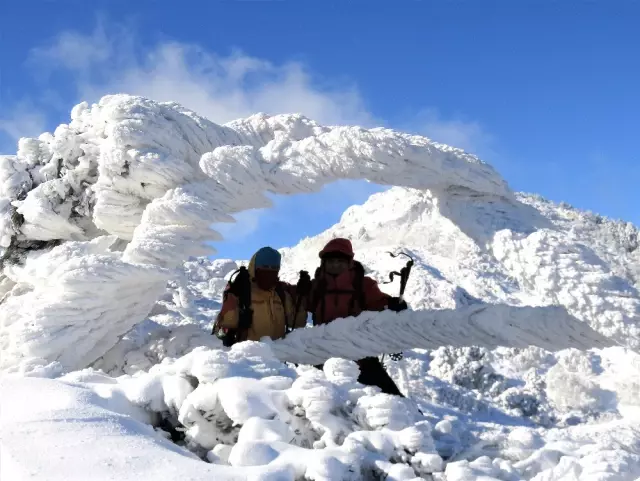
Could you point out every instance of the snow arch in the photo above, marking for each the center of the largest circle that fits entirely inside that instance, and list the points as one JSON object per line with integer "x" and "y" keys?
{"x": 130, "y": 188}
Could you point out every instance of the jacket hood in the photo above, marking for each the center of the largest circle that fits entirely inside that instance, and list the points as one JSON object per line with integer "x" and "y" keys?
{"x": 264, "y": 256}
{"x": 252, "y": 266}
{"x": 339, "y": 245}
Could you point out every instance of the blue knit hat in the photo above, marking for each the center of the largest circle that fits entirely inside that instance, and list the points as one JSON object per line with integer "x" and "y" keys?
{"x": 268, "y": 257}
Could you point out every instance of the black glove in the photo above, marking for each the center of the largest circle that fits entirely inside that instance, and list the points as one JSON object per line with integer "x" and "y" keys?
{"x": 245, "y": 318}
{"x": 229, "y": 337}
{"x": 303, "y": 287}
{"x": 396, "y": 305}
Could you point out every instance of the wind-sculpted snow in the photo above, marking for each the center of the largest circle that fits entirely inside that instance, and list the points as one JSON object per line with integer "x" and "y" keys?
{"x": 484, "y": 325}
{"x": 136, "y": 168}
{"x": 158, "y": 176}
{"x": 80, "y": 298}
{"x": 290, "y": 163}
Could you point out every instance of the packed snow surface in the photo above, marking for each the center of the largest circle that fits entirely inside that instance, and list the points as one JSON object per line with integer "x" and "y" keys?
{"x": 519, "y": 346}
{"x": 252, "y": 417}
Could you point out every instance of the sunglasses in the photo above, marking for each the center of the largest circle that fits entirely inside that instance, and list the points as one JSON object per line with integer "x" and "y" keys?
{"x": 269, "y": 268}
{"x": 336, "y": 259}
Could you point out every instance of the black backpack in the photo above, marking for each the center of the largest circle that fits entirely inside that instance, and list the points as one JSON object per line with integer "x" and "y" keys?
{"x": 240, "y": 286}
{"x": 319, "y": 294}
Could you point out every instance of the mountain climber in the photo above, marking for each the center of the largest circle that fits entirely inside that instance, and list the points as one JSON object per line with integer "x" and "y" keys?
{"x": 257, "y": 304}
{"x": 340, "y": 289}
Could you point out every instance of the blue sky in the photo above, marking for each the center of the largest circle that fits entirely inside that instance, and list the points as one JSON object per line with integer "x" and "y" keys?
{"x": 545, "y": 91}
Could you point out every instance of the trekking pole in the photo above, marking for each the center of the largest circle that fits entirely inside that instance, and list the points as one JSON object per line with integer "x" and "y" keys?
{"x": 404, "y": 277}
{"x": 302, "y": 289}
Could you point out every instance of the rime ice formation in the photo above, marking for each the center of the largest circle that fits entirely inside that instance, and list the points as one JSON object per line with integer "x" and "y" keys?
{"x": 157, "y": 176}
{"x": 481, "y": 325}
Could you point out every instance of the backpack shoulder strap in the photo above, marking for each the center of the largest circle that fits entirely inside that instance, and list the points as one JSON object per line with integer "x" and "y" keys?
{"x": 240, "y": 286}
{"x": 283, "y": 299}
{"x": 318, "y": 292}
{"x": 358, "y": 287}
{"x": 228, "y": 289}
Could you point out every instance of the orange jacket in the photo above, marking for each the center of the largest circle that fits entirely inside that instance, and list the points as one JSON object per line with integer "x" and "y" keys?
{"x": 268, "y": 312}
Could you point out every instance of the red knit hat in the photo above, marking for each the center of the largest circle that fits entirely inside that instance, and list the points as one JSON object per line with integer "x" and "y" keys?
{"x": 338, "y": 246}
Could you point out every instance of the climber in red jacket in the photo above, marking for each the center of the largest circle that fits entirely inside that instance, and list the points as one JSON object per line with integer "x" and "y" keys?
{"x": 340, "y": 289}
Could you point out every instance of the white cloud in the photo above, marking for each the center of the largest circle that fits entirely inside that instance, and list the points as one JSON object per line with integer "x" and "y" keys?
{"x": 464, "y": 134}
{"x": 247, "y": 223}
{"x": 221, "y": 88}
{"x": 76, "y": 51}
{"x": 22, "y": 120}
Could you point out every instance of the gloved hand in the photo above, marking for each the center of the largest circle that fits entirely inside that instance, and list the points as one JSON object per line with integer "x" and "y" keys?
{"x": 303, "y": 287}
{"x": 396, "y": 305}
{"x": 245, "y": 318}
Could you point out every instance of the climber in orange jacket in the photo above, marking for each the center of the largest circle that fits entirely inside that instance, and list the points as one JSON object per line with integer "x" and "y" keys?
{"x": 340, "y": 289}
{"x": 272, "y": 308}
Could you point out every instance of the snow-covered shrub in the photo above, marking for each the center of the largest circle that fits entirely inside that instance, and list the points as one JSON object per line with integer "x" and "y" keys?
{"x": 242, "y": 407}
{"x": 468, "y": 367}
{"x": 571, "y": 384}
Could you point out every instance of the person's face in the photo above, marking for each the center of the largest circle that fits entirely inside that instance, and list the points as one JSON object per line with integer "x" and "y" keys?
{"x": 335, "y": 266}
{"x": 266, "y": 278}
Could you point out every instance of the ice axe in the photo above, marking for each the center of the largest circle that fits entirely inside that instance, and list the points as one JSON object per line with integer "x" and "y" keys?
{"x": 403, "y": 274}
{"x": 404, "y": 277}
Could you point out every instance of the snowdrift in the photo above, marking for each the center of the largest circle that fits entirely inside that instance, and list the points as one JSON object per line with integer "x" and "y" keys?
{"x": 243, "y": 409}
{"x": 254, "y": 418}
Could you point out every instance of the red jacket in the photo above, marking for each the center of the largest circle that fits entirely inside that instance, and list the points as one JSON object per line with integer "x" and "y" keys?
{"x": 333, "y": 297}
{"x": 338, "y": 299}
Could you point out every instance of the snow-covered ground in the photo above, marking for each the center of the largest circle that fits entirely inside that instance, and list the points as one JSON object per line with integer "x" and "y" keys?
{"x": 519, "y": 350}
